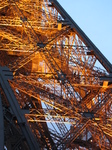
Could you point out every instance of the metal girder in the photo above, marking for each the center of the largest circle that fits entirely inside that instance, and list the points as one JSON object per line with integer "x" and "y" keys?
{"x": 4, "y": 75}
{"x": 107, "y": 78}
{"x": 16, "y": 140}
{"x": 102, "y": 59}
{"x": 56, "y": 83}
{"x": 1, "y": 126}
{"x": 87, "y": 144}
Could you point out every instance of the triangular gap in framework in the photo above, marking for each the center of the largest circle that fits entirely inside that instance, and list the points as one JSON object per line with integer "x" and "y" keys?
{"x": 80, "y": 137}
{"x": 102, "y": 59}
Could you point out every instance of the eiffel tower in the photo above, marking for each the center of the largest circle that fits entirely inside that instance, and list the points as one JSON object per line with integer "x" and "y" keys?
{"x": 53, "y": 96}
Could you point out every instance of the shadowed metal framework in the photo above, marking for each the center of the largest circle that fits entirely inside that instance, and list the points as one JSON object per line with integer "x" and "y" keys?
{"x": 52, "y": 94}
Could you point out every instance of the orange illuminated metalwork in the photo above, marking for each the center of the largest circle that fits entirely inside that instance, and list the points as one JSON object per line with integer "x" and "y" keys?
{"x": 56, "y": 79}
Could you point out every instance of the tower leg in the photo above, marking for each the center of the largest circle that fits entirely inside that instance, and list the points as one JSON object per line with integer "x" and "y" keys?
{"x": 5, "y": 74}
{"x": 1, "y": 126}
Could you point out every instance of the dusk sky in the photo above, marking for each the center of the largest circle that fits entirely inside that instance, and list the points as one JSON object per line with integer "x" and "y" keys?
{"x": 94, "y": 17}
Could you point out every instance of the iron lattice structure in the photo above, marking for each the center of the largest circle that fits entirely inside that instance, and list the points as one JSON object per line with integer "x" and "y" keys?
{"x": 52, "y": 96}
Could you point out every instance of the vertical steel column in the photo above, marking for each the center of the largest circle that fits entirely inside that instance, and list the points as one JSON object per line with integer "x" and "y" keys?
{"x": 1, "y": 126}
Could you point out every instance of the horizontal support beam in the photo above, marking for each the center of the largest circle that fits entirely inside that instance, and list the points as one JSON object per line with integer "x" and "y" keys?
{"x": 107, "y": 78}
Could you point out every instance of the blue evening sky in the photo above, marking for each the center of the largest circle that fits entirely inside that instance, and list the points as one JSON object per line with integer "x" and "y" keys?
{"x": 94, "y": 17}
